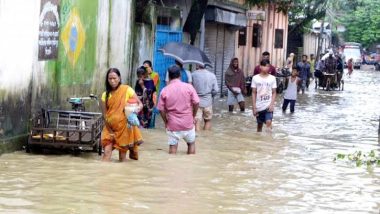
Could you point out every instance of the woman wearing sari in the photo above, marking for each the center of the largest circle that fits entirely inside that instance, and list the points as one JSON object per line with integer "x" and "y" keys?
{"x": 116, "y": 134}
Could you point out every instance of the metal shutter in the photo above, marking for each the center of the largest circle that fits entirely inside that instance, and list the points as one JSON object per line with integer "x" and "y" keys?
{"x": 220, "y": 48}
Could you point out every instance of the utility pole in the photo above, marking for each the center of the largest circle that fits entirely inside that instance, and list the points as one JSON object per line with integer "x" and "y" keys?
{"x": 320, "y": 38}
{"x": 321, "y": 32}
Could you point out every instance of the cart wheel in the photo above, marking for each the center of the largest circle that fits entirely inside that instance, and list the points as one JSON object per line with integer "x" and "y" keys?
{"x": 27, "y": 149}
{"x": 342, "y": 85}
{"x": 99, "y": 145}
{"x": 76, "y": 151}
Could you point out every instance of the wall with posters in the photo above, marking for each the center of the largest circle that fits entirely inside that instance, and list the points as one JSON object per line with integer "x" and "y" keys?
{"x": 62, "y": 49}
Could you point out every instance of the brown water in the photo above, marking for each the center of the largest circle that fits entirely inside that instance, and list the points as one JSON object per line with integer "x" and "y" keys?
{"x": 235, "y": 169}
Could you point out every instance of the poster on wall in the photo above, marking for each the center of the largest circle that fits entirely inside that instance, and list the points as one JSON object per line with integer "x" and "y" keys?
{"x": 48, "y": 37}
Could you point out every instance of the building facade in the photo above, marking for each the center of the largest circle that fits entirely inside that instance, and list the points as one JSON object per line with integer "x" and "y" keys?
{"x": 310, "y": 39}
{"x": 266, "y": 30}
{"x": 222, "y": 22}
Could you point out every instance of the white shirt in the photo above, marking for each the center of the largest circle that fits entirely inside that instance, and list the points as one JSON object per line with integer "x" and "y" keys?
{"x": 264, "y": 87}
{"x": 291, "y": 90}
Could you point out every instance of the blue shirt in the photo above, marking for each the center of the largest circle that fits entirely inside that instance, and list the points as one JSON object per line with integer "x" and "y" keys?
{"x": 304, "y": 70}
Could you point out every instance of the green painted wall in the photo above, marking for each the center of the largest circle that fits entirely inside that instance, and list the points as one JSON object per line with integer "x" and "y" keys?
{"x": 81, "y": 72}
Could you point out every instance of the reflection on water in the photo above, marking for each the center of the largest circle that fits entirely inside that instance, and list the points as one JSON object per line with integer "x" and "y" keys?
{"x": 235, "y": 169}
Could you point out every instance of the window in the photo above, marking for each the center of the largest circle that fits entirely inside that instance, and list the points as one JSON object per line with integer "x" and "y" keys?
{"x": 242, "y": 37}
{"x": 256, "y": 35}
{"x": 164, "y": 20}
{"x": 279, "y": 38}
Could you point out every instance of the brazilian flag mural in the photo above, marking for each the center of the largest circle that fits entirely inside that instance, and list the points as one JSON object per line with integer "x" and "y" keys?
{"x": 77, "y": 46}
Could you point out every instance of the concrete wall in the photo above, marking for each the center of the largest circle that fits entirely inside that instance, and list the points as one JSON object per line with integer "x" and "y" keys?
{"x": 250, "y": 56}
{"x": 143, "y": 46}
{"x": 310, "y": 43}
{"x": 184, "y": 6}
{"x": 18, "y": 56}
{"x": 27, "y": 84}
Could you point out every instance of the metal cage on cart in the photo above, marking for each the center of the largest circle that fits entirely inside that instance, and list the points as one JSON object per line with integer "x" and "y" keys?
{"x": 66, "y": 129}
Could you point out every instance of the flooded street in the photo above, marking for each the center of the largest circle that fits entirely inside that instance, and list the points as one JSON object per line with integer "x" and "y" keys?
{"x": 235, "y": 169}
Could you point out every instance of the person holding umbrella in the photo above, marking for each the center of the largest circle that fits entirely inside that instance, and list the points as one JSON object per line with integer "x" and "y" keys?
{"x": 185, "y": 74}
{"x": 206, "y": 85}
{"x": 235, "y": 82}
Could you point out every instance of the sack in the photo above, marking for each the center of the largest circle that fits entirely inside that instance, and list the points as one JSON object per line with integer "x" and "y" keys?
{"x": 236, "y": 90}
{"x": 133, "y": 120}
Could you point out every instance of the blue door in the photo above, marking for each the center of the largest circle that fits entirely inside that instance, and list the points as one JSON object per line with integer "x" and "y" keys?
{"x": 161, "y": 63}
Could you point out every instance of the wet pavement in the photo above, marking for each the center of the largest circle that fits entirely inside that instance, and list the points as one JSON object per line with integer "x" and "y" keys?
{"x": 235, "y": 169}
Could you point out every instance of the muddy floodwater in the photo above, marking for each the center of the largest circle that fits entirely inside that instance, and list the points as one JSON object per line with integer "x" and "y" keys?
{"x": 235, "y": 169}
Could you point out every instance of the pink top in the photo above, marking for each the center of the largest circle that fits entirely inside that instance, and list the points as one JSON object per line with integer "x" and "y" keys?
{"x": 177, "y": 100}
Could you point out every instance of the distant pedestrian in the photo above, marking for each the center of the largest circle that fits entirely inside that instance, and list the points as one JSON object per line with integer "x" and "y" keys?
{"x": 312, "y": 62}
{"x": 263, "y": 96}
{"x": 290, "y": 95}
{"x": 185, "y": 74}
{"x": 157, "y": 83}
{"x": 350, "y": 67}
{"x": 272, "y": 69}
{"x": 303, "y": 68}
{"x": 331, "y": 63}
{"x": 145, "y": 91}
{"x": 312, "y": 65}
{"x": 319, "y": 69}
{"x": 206, "y": 85}
{"x": 290, "y": 61}
{"x": 152, "y": 74}
{"x": 235, "y": 82}
{"x": 178, "y": 106}
{"x": 340, "y": 70}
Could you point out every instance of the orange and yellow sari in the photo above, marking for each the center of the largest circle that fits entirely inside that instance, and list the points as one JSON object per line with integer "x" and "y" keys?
{"x": 123, "y": 138}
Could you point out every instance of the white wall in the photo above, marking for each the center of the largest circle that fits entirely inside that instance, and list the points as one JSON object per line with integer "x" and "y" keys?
{"x": 310, "y": 43}
{"x": 120, "y": 55}
{"x": 18, "y": 43}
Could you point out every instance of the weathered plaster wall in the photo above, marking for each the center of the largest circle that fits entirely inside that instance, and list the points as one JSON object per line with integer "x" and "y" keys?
{"x": 143, "y": 46}
{"x": 120, "y": 41}
{"x": 184, "y": 6}
{"x": 17, "y": 59}
{"x": 104, "y": 40}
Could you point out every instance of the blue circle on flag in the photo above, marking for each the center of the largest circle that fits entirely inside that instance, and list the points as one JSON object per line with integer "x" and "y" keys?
{"x": 73, "y": 38}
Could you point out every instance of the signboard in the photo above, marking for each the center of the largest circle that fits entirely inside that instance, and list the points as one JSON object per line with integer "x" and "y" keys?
{"x": 256, "y": 15}
{"x": 48, "y": 37}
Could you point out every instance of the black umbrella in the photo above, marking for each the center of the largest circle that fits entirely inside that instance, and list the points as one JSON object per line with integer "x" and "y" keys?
{"x": 186, "y": 54}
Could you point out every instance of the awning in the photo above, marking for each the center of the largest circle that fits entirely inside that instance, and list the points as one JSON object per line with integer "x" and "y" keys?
{"x": 219, "y": 15}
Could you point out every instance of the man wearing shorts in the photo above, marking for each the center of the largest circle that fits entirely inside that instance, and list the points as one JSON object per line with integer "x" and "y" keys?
{"x": 178, "y": 105}
{"x": 263, "y": 96}
{"x": 206, "y": 85}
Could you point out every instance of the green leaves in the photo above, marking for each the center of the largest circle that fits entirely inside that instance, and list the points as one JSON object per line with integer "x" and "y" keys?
{"x": 359, "y": 158}
{"x": 363, "y": 23}
{"x": 341, "y": 156}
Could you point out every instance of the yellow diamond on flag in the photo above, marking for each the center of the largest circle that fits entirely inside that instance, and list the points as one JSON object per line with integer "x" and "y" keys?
{"x": 73, "y": 36}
